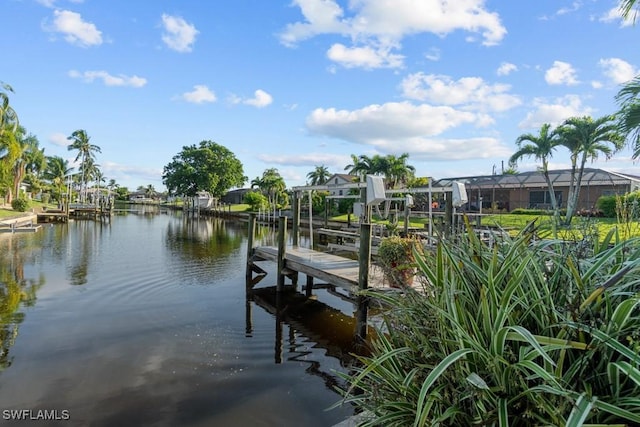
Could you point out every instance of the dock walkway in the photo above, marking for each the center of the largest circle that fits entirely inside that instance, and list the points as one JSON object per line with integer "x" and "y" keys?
{"x": 334, "y": 269}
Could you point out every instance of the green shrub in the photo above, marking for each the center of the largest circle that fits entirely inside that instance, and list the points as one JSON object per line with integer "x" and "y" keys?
{"x": 256, "y": 200}
{"x": 20, "y": 204}
{"x": 607, "y": 204}
{"x": 523, "y": 333}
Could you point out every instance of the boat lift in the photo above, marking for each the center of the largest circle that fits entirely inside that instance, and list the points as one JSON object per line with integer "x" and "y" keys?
{"x": 373, "y": 193}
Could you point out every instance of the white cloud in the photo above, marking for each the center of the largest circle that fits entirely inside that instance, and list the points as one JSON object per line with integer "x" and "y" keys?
{"x": 433, "y": 54}
{"x": 506, "y": 68}
{"x": 404, "y": 127}
{"x": 108, "y": 79}
{"x": 613, "y": 15}
{"x": 554, "y": 112}
{"x": 472, "y": 93}
{"x": 390, "y": 121}
{"x": 260, "y": 99}
{"x": 365, "y": 57}
{"x": 75, "y": 30}
{"x": 561, "y": 73}
{"x": 179, "y": 35}
{"x": 575, "y": 6}
{"x": 199, "y": 95}
{"x": 377, "y": 27}
{"x": 307, "y": 159}
{"x": 617, "y": 70}
{"x": 59, "y": 139}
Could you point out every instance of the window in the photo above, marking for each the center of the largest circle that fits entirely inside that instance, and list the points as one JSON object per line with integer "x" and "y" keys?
{"x": 542, "y": 199}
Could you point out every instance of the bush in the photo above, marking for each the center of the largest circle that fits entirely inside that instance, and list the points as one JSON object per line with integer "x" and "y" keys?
{"x": 607, "y": 205}
{"x": 20, "y": 204}
{"x": 524, "y": 333}
{"x": 256, "y": 200}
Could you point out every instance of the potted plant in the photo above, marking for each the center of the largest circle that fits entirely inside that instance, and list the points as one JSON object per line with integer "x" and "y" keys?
{"x": 396, "y": 257}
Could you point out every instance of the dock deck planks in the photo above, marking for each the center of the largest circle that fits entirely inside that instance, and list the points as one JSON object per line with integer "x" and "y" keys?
{"x": 334, "y": 269}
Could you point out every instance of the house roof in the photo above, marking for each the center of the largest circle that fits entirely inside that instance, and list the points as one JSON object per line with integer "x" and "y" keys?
{"x": 561, "y": 177}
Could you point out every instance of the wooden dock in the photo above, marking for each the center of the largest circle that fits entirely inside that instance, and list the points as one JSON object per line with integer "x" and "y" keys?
{"x": 336, "y": 270}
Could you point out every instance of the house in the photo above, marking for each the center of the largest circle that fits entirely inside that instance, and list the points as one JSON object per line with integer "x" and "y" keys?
{"x": 235, "y": 197}
{"x": 337, "y": 180}
{"x": 529, "y": 190}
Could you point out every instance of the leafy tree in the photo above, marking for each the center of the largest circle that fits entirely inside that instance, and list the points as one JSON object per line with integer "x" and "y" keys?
{"x": 540, "y": 147}
{"x": 586, "y": 139}
{"x": 86, "y": 154}
{"x": 319, "y": 175}
{"x": 273, "y": 186}
{"x": 205, "y": 167}
{"x": 256, "y": 200}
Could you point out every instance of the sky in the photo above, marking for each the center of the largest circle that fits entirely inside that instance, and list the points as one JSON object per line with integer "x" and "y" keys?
{"x": 295, "y": 84}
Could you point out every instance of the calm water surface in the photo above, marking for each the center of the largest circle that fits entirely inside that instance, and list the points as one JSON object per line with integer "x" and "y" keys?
{"x": 145, "y": 321}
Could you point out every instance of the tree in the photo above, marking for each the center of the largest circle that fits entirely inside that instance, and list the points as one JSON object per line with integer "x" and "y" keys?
{"x": 394, "y": 169}
{"x": 273, "y": 186}
{"x": 319, "y": 175}
{"x": 8, "y": 117}
{"x": 628, "y": 9}
{"x": 256, "y": 200}
{"x": 30, "y": 159}
{"x": 86, "y": 153}
{"x": 629, "y": 114}
{"x": 56, "y": 172}
{"x": 540, "y": 147}
{"x": 586, "y": 139}
{"x": 205, "y": 167}
{"x": 397, "y": 170}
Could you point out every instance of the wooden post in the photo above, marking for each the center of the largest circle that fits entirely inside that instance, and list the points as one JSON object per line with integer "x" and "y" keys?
{"x": 295, "y": 227}
{"x": 250, "y": 237}
{"x": 406, "y": 218}
{"x": 364, "y": 259}
{"x": 309, "y": 286}
{"x": 448, "y": 215}
{"x": 282, "y": 239}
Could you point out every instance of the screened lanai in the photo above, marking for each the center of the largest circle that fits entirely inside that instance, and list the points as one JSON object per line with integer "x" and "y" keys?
{"x": 529, "y": 189}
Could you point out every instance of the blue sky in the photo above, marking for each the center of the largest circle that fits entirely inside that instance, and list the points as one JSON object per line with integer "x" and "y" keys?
{"x": 293, "y": 84}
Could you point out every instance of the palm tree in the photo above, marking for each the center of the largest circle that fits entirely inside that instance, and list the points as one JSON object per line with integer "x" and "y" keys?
{"x": 628, "y": 10}
{"x": 360, "y": 166}
{"x": 540, "y": 147}
{"x": 8, "y": 116}
{"x": 56, "y": 172}
{"x": 586, "y": 139}
{"x": 271, "y": 184}
{"x": 629, "y": 114}
{"x": 320, "y": 175}
{"x": 86, "y": 151}
{"x": 398, "y": 171}
{"x": 31, "y": 159}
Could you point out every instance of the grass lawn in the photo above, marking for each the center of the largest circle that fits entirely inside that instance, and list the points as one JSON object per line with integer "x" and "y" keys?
{"x": 513, "y": 224}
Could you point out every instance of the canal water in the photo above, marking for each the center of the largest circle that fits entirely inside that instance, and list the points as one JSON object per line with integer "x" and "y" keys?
{"x": 144, "y": 321}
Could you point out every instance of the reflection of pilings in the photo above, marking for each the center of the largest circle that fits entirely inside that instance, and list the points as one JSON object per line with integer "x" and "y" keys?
{"x": 282, "y": 239}
{"x": 330, "y": 328}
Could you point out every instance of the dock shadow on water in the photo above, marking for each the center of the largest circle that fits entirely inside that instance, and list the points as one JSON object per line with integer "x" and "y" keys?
{"x": 161, "y": 330}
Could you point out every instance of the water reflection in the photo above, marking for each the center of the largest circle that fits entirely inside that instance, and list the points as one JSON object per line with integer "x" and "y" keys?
{"x": 203, "y": 238}
{"x": 311, "y": 322}
{"x": 16, "y": 291}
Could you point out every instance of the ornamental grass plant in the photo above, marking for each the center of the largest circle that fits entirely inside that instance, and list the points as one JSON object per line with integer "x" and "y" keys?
{"x": 523, "y": 333}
